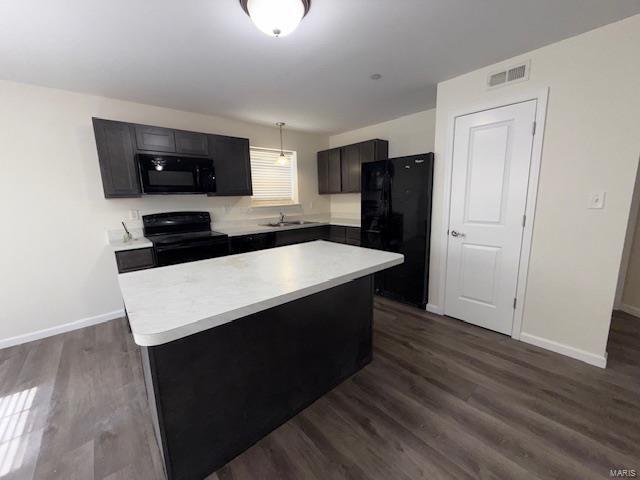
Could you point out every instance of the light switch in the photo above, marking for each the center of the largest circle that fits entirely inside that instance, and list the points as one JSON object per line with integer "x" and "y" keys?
{"x": 596, "y": 201}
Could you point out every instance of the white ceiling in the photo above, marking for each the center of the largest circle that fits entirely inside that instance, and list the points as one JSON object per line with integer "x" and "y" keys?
{"x": 206, "y": 56}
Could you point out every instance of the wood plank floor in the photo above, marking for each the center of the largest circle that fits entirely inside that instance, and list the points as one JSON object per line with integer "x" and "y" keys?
{"x": 441, "y": 399}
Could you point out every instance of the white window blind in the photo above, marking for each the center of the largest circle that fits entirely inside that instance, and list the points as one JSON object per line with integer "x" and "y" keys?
{"x": 271, "y": 181}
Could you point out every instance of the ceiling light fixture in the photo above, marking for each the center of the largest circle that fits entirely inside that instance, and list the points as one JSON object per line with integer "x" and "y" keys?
{"x": 282, "y": 160}
{"x": 277, "y": 18}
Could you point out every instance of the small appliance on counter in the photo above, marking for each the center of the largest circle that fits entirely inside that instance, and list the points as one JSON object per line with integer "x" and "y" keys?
{"x": 180, "y": 237}
{"x": 396, "y": 217}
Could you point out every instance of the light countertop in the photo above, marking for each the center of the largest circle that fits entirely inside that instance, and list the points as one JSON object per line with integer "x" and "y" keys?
{"x": 168, "y": 303}
{"x": 120, "y": 245}
{"x": 231, "y": 229}
{"x": 248, "y": 228}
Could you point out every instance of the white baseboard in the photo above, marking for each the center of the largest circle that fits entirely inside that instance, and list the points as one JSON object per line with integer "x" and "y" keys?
{"x": 435, "y": 309}
{"x": 66, "y": 327}
{"x": 631, "y": 310}
{"x": 587, "y": 357}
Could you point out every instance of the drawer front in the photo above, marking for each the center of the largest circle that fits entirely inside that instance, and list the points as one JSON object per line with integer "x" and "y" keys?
{"x": 352, "y": 236}
{"x": 155, "y": 139}
{"x": 131, "y": 260}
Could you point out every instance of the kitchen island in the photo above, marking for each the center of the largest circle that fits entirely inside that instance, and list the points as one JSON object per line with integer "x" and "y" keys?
{"x": 235, "y": 346}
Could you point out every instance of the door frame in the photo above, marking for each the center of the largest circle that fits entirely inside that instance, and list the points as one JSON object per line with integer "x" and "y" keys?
{"x": 542, "y": 97}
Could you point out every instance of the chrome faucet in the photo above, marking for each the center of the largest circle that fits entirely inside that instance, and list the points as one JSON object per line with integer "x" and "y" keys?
{"x": 281, "y": 217}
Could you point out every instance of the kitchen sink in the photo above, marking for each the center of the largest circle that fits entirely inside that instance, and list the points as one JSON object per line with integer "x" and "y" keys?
{"x": 287, "y": 224}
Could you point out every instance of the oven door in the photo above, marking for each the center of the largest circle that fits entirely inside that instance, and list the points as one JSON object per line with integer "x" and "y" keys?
{"x": 168, "y": 174}
{"x": 190, "y": 251}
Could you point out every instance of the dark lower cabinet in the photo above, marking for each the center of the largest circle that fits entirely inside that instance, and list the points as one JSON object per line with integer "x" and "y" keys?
{"x": 143, "y": 258}
{"x": 132, "y": 260}
{"x": 339, "y": 168}
{"x": 337, "y": 234}
{"x": 232, "y": 164}
{"x": 352, "y": 236}
{"x": 301, "y": 235}
{"x": 116, "y": 155}
{"x": 343, "y": 234}
{"x": 332, "y": 233}
{"x": 252, "y": 243}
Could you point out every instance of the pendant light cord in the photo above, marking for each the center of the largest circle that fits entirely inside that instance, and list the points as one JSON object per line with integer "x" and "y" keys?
{"x": 281, "y": 143}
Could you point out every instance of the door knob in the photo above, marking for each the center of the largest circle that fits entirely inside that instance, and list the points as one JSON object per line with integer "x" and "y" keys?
{"x": 458, "y": 234}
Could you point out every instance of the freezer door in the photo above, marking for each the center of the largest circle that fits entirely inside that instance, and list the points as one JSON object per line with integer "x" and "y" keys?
{"x": 409, "y": 228}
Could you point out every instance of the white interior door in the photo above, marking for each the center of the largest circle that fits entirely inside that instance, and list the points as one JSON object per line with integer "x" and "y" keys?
{"x": 491, "y": 161}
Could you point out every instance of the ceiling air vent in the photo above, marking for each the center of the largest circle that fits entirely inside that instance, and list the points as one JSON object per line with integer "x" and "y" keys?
{"x": 516, "y": 73}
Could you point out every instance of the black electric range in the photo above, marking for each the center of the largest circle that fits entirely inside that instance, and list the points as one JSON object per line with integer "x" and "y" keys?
{"x": 180, "y": 237}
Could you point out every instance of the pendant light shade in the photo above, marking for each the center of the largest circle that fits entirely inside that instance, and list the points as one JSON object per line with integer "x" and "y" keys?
{"x": 282, "y": 160}
{"x": 277, "y": 18}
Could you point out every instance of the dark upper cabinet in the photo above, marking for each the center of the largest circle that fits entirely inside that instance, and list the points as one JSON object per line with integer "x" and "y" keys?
{"x": 232, "y": 165}
{"x": 191, "y": 143}
{"x": 155, "y": 139}
{"x": 323, "y": 172}
{"x": 329, "y": 175}
{"x": 335, "y": 175}
{"x": 339, "y": 168}
{"x": 119, "y": 142}
{"x": 351, "y": 168}
{"x": 116, "y": 154}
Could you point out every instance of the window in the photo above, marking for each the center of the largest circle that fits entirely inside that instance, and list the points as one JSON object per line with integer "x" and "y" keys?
{"x": 272, "y": 183}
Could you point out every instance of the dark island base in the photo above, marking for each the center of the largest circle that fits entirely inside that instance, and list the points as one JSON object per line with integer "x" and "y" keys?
{"x": 216, "y": 393}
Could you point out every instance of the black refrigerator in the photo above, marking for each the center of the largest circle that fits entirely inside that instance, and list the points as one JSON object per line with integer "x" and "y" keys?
{"x": 396, "y": 217}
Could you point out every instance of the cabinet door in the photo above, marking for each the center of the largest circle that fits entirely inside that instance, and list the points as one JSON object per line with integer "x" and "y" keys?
{"x": 301, "y": 235}
{"x": 252, "y": 243}
{"x": 132, "y": 260}
{"x": 232, "y": 165}
{"x": 352, "y": 236}
{"x": 337, "y": 234}
{"x": 116, "y": 155}
{"x": 323, "y": 172}
{"x": 351, "y": 169}
{"x": 155, "y": 139}
{"x": 191, "y": 143}
{"x": 335, "y": 173}
{"x": 374, "y": 150}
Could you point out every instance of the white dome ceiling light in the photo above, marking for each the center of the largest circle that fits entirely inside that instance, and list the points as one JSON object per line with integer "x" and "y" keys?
{"x": 277, "y": 18}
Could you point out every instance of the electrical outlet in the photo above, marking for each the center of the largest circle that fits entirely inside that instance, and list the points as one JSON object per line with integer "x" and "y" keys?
{"x": 134, "y": 214}
{"x": 596, "y": 201}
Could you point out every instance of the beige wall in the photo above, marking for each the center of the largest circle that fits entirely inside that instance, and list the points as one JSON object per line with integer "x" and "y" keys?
{"x": 55, "y": 263}
{"x": 631, "y": 295}
{"x": 408, "y": 135}
{"x": 591, "y": 143}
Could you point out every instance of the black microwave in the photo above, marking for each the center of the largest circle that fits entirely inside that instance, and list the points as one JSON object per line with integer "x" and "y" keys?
{"x": 164, "y": 174}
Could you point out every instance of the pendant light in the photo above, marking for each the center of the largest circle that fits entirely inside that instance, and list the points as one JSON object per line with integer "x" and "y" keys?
{"x": 277, "y": 18}
{"x": 282, "y": 160}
